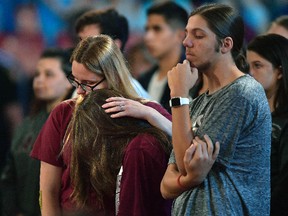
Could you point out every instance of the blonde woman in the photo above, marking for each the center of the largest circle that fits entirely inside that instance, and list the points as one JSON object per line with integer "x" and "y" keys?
{"x": 97, "y": 63}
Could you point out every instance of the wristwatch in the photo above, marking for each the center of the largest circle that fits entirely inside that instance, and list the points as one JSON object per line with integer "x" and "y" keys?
{"x": 178, "y": 101}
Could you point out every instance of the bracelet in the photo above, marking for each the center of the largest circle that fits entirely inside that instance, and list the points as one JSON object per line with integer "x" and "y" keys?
{"x": 178, "y": 182}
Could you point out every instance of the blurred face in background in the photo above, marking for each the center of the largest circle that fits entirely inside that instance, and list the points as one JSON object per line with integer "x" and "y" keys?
{"x": 263, "y": 71}
{"x": 94, "y": 30}
{"x": 278, "y": 29}
{"x": 50, "y": 82}
{"x": 160, "y": 39}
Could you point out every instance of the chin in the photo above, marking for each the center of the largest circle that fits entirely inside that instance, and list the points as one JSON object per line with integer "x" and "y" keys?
{"x": 191, "y": 64}
{"x": 44, "y": 97}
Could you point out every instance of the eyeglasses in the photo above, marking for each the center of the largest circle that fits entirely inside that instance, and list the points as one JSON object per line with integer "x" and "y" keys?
{"x": 84, "y": 87}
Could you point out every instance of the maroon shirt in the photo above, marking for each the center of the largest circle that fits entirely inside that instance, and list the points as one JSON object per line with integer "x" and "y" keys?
{"x": 149, "y": 162}
{"x": 144, "y": 165}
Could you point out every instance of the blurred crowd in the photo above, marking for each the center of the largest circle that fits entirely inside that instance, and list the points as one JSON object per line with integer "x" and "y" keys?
{"x": 29, "y": 28}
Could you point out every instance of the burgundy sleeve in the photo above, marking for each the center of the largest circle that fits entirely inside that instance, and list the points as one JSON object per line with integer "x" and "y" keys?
{"x": 160, "y": 109}
{"x": 144, "y": 165}
{"x": 49, "y": 142}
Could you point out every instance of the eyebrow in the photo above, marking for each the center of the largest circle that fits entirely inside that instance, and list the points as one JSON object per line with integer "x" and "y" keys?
{"x": 256, "y": 61}
{"x": 153, "y": 26}
{"x": 194, "y": 30}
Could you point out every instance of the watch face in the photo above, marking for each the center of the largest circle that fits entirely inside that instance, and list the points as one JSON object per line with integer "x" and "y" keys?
{"x": 178, "y": 101}
{"x": 175, "y": 102}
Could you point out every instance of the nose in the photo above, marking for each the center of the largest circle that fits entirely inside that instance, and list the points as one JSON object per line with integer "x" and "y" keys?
{"x": 148, "y": 36}
{"x": 80, "y": 91}
{"x": 38, "y": 79}
{"x": 187, "y": 42}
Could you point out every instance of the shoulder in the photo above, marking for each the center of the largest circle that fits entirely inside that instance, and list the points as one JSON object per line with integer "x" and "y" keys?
{"x": 252, "y": 92}
{"x": 145, "y": 144}
{"x": 243, "y": 91}
{"x": 145, "y": 151}
{"x": 64, "y": 109}
{"x": 246, "y": 86}
{"x": 48, "y": 144}
{"x": 142, "y": 141}
{"x": 65, "y": 105}
{"x": 57, "y": 122}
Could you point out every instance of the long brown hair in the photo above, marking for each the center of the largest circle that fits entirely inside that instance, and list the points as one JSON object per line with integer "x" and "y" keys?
{"x": 98, "y": 145}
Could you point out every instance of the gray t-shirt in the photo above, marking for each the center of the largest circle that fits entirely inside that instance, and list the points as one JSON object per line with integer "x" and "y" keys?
{"x": 237, "y": 116}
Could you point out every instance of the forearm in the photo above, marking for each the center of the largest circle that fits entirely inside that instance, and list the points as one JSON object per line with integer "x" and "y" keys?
{"x": 158, "y": 120}
{"x": 169, "y": 186}
{"x": 182, "y": 134}
{"x": 198, "y": 161}
{"x": 50, "y": 184}
{"x": 50, "y": 204}
{"x": 174, "y": 183}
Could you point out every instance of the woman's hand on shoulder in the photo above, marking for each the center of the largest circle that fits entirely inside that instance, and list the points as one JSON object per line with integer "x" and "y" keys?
{"x": 120, "y": 107}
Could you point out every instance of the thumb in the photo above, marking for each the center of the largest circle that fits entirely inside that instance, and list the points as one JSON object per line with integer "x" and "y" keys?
{"x": 186, "y": 61}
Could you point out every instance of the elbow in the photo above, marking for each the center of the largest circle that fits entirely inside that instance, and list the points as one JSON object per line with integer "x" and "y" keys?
{"x": 163, "y": 191}
{"x": 166, "y": 194}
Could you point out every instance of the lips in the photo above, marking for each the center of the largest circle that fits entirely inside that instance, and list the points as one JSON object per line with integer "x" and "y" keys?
{"x": 189, "y": 54}
{"x": 39, "y": 90}
{"x": 150, "y": 48}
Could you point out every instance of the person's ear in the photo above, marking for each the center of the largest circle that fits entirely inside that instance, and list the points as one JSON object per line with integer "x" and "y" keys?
{"x": 279, "y": 72}
{"x": 227, "y": 45}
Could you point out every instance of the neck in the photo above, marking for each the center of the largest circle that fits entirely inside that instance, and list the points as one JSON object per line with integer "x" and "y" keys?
{"x": 221, "y": 75}
{"x": 271, "y": 96}
{"x": 204, "y": 87}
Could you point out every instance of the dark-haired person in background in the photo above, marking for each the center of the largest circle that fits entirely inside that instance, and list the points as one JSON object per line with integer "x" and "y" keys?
{"x": 20, "y": 177}
{"x": 164, "y": 33}
{"x": 11, "y": 114}
{"x": 267, "y": 56}
{"x": 279, "y": 26}
{"x": 109, "y": 22}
